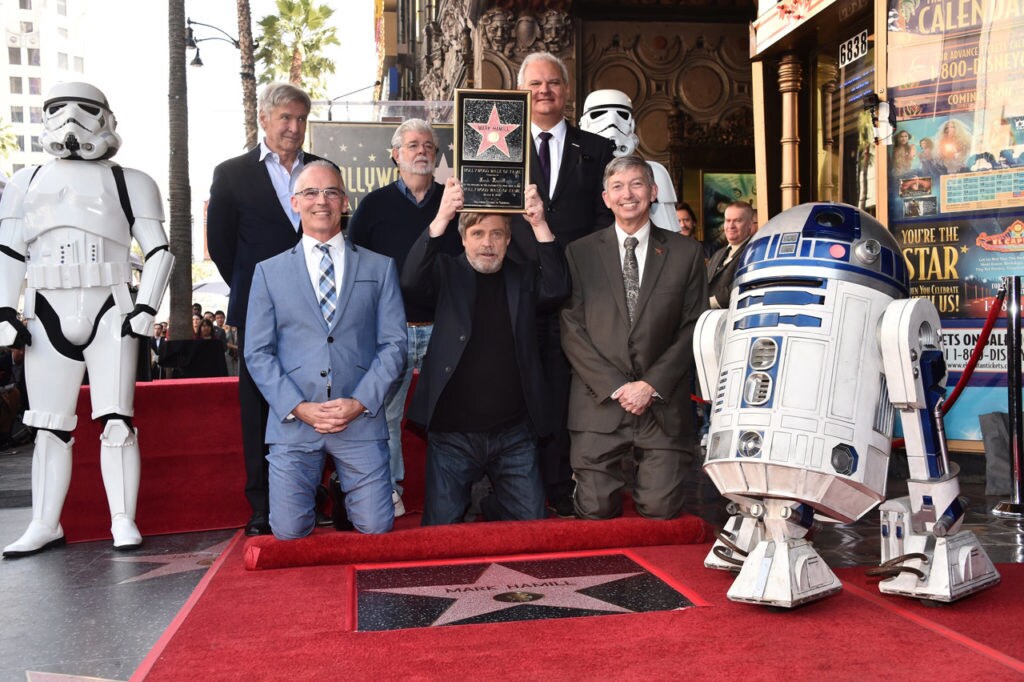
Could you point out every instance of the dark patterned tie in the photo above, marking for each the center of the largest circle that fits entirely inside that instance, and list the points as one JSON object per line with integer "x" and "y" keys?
{"x": 328, "y": 292}
{"x": 631, "y": 277}
{"x": 544, "y": 156}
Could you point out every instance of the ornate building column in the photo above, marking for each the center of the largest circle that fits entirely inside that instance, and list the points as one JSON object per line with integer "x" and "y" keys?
{"x": 790, "y": 82}
{"x": 828, "y": 71}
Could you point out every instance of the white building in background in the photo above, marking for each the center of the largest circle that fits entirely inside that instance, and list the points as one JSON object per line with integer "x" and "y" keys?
{"x": 42, "y": 46}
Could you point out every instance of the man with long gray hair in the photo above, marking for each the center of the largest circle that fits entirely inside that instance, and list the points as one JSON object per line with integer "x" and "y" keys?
{"x": 388, "y": 221}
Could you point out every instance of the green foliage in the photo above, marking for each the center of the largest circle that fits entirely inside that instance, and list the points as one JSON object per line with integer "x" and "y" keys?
{"x": 8, "y": 141}
{"x": 292, "y": 45}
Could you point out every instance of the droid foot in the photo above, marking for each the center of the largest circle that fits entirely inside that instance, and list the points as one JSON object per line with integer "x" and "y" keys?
{"x": 786, "y": 574}
{"x": 739, "y": 536}
{"x": 939, "y": 569}
{"x": 37, "y": 537}
{"x": 126, "y": 534}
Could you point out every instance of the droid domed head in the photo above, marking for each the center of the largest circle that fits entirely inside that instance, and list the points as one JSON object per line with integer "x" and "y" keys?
{"x": 822, "y": 242}
{"x": 609, "y": 113}
{"x": 79, "y": 123}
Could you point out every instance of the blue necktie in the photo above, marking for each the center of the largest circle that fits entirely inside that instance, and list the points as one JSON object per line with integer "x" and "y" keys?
{"x": 328, "y": 294}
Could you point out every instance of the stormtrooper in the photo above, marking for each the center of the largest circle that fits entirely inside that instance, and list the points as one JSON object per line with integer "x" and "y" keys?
{"x": 609, "y": 113}
{"x": 66, "y": 229}
{"x": 818, "y": 352}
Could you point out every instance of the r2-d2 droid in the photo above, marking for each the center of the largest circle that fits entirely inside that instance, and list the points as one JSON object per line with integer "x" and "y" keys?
{"x": 609, "y": 113}
{"x": 66, "y": 229}
{"x": 818, "y": 351}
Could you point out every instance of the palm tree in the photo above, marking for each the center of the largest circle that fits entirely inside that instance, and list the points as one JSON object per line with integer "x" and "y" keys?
{"x": 248, "y": 72}
{"x": 292, "y": 45}
{"x": 178, "y": 183}
{"x": 8, "y": 141}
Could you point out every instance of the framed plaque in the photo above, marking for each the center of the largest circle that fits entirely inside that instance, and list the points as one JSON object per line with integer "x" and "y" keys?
{"x": 492, "y": 149}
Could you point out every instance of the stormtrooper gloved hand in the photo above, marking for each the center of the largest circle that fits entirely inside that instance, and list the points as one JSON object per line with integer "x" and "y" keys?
{"x": 13, "y": 332}
{"x": 139, "y": 322}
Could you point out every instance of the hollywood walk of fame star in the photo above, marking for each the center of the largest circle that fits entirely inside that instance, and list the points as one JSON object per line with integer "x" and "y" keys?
{"x": 174, "y": 563}
{"x": 493, "y": 133}
{"x": 443, "y": 170}
{"x": 500, "y": 588}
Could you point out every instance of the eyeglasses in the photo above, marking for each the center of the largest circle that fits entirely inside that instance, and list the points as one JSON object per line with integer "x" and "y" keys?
{"x": 428, "y": 147}
{"x": 311, "y": 193}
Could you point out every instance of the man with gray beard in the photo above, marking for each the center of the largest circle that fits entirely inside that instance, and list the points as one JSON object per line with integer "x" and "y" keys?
{"x": 388, "y": 221}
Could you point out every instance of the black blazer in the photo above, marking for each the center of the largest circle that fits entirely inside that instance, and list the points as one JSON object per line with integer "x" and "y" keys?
{"x": 245, "y": 224}
{"x": 450, "y": 282}
{"x": 577, "y": 208}
{"x": 720, "y": 276}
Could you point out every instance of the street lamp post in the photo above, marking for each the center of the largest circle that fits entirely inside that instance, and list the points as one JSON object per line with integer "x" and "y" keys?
{"x": 247, "y": 73}
{"x": 330, "y": 102}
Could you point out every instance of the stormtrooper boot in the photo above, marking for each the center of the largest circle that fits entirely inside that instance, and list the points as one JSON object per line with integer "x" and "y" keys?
{"x": 51, "y": 475}
{"x": 120, "y": 464}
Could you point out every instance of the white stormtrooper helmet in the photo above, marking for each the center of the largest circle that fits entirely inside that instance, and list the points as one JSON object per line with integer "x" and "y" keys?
{"x": 609, "y": 113}
{"x": 79, "y": 123}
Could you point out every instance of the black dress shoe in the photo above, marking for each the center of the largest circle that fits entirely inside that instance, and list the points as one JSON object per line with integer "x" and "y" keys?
{"x": 259, "y": 524}
{"x": 563, "y": 507}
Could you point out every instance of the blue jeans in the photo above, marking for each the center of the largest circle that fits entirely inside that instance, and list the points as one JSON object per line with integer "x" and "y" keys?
{"x": 507, "y": 456}
{"x": 394, "y": 406}
{"x": 295, "y": 471}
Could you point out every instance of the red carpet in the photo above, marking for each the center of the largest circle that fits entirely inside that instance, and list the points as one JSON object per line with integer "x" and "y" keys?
{"x": 192, "y": 472}
{"x": 290, "y": 624}
{"x": 471, "y": 540}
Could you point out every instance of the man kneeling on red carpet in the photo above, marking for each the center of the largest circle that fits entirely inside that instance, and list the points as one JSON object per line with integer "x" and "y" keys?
{"x": 480, "y": 394}
{"x": 325, "y": 341}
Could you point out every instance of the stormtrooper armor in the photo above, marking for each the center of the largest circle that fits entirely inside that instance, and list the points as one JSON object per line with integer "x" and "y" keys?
{"x": 609, "y": 113}
{"x": 66, "y": 229}
{"x": 819, "y": 350}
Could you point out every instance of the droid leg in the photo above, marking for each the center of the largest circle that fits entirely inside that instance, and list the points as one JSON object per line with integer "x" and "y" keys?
{"x": 740, "y": 535}
{"x": 924, "y": 552}
{"x": 784, "y": 569}
{"x": 51, "y": 476}
{"x": 120, "y": 464}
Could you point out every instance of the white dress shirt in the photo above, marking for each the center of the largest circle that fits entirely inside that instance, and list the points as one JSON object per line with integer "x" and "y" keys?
{"x": 311, "y": 247}
{"x": 642, "y": 235}
{"x": 555, "y": 146}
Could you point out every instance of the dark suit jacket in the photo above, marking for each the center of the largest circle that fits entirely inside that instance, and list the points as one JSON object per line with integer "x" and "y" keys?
{"x": 450, "y": 281}
{"x": 606, "y": 353}
{"x": 720, "y": 276}
{"x": 245, "y": 224}
{"x": 577, "y": 208}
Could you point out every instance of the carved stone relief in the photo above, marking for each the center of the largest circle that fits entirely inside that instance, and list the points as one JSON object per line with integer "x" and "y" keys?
{"x": 690, "y": 83}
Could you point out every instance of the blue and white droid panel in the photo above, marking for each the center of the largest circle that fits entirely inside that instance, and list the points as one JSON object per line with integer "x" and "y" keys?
{"x": 801, "y": 408}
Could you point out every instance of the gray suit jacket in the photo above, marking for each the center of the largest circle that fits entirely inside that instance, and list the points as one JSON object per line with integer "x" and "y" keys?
{"x": 293, "y": 356}
{"x": 605, "y": 352}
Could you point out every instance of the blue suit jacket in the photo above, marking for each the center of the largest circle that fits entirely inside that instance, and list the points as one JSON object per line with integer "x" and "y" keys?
{"x": 245, "y": 224}
{"x": 293, "y": 356}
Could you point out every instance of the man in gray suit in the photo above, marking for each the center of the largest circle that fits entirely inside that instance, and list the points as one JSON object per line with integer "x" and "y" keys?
{"x": 627, "y": 329}
{"x": 326, "y": 340}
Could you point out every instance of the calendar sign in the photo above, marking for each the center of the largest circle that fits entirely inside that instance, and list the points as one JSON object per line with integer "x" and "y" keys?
{"x": 853, "y": 49}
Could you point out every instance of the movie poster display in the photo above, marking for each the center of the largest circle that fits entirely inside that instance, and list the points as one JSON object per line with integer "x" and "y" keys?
{"x": 956, "y": 164}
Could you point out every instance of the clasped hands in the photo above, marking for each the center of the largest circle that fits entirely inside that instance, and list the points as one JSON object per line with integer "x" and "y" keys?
{"x": 634, "y": 397}
{"x": 332, "y": 416}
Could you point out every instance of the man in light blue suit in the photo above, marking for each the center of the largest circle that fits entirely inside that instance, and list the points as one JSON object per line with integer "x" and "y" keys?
{"x": 326, "y": 339}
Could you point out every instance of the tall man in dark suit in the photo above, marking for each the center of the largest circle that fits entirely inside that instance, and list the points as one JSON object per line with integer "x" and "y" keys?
{"x": 627, "y": 329}
{"x": 250, "y": 218}
{"x": 566, "y": 165}
{"x": 481, "y": 394}
{"x": 326, "y": 343}
{"x": 722, "y": 266}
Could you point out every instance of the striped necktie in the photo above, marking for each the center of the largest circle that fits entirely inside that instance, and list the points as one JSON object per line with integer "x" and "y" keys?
{"x": 328, "y": 292}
